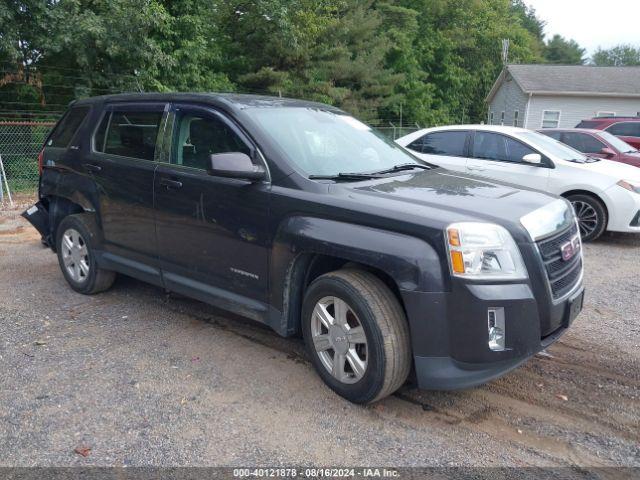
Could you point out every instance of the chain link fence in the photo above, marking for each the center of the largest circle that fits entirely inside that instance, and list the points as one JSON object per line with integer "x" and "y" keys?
{"x": 393, "y": 133}
{"x": 20, "y": 144}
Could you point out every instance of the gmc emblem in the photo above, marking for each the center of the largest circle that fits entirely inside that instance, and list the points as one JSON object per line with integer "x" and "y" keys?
{"x": 570, "y": 249}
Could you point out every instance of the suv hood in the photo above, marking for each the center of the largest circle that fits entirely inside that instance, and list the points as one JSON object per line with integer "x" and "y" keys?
{"x": 447, "y": 196}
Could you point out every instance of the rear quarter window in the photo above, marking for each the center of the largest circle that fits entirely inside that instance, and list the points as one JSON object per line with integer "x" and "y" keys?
{"x": 67, "y": 127}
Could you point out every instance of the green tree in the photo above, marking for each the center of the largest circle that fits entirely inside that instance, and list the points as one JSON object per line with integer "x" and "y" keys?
{"x": 561, "y": 51}
{"x": 619, "y": 56}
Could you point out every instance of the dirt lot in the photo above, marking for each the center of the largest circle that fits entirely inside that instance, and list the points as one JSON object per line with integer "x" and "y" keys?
{"x": 142, "y": 378}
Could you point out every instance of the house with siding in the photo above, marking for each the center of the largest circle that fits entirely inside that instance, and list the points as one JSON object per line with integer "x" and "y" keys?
{"x": 550, "y": 96}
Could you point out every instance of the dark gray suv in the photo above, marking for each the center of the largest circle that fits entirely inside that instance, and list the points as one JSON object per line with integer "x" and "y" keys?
{"x": 299, "y": 216}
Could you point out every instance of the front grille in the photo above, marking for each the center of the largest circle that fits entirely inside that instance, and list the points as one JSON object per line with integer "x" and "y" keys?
{"x": 562, "y": 275}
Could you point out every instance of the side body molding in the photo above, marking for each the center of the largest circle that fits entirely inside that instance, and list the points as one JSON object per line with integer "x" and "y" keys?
{"x": 412, "y": 263}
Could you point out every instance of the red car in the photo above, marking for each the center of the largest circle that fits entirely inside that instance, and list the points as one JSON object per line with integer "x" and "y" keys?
{"x": 596, "y": 143}
{"x": 627, "y": 128}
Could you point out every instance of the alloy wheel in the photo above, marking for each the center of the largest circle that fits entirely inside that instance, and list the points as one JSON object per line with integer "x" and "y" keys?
{"x": 339, "y": 339}
{"x": 75, "y": 255}
{"x": 587, "y": 217}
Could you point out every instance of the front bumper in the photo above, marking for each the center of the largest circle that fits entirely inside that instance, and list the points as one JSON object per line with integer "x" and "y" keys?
{"x": 450, "y": 335}
{"x": 624, "y": 209}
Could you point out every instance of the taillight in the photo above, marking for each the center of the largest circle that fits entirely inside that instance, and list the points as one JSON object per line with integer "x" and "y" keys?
{"x": 40, "y": 161}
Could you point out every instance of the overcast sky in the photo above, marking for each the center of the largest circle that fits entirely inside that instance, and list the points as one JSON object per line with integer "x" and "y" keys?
{"x": 591, "y": 23}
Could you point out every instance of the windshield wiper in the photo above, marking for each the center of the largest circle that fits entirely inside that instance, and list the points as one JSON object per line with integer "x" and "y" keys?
{"x": 345, "y": 176}
{"x": 403, "y": 167}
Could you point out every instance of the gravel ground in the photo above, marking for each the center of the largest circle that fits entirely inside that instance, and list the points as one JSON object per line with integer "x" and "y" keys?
{"x": 144, "y": 378}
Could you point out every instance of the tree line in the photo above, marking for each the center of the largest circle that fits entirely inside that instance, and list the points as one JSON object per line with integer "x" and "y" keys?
{"x": 425, "y": 61}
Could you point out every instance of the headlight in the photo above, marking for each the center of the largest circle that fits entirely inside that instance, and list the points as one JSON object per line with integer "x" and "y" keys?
{"x": 631, "y": 186}
{"x": 483, "y": 251}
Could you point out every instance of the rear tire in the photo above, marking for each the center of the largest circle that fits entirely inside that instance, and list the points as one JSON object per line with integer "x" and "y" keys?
{"x": 592, "y": 215}
{"x": 370, "y": 345}
{"x": 75, "y": 245}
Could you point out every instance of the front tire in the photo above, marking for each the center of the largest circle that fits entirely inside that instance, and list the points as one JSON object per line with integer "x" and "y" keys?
{"x": 75, "y": 245}
{"x": 356, "y": 335}
{"x": 592, "y": 216}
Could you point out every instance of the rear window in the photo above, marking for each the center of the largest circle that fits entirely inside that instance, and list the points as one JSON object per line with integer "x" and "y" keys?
{"x": 67, "y": 127}
{"x": 588, "y": 124}
{"x": 128, "y": 134}
{"x": 441, "y": 143}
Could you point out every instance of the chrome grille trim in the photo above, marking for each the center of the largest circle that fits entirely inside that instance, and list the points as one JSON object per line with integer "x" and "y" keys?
{"x": 562, "y": 277}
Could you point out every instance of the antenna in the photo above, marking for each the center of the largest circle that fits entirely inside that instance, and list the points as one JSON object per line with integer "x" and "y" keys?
{"x": 505, "y": 51}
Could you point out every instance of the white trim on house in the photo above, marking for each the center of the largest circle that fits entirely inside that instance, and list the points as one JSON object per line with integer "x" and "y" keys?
{"x": 544, "y": 112}
{"x": 526, "y": 113}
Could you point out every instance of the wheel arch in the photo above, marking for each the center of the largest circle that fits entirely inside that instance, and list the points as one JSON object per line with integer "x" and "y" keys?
{"x": 589, "y": 194}
{"x": 301, "y": 254}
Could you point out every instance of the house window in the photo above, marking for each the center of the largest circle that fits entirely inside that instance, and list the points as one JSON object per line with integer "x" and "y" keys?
{"x": 502, "y": 118}
{"x": 516, "y": 114}
{"x": 606, "y": 114}
{"x": 550, "y": 119}
{"x": 490, "y": 118}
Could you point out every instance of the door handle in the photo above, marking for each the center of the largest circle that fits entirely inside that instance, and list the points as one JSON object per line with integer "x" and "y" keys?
{"x": 167, "y": 182}
{"x": 92, "y": 168}
{"x": 476, "y": 168}
{"x": 74, "y": 147}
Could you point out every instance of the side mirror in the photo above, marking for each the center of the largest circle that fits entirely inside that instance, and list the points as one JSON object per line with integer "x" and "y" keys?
{"x": 235, "y": 165}
{"x": 533, "y": 158}
{"x": 608, "y": 152}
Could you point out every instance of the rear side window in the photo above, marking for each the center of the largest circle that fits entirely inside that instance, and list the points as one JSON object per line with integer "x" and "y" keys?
{"x": 583, "y": 142}
{"x": 625, "y": 129}
{"x": 128, "y": 134}
{"x": 441, "y": 143}
{"x": 67, "y": 127}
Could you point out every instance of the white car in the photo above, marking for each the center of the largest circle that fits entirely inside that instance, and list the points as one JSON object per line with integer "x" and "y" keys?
{"x": 605, "y": 194}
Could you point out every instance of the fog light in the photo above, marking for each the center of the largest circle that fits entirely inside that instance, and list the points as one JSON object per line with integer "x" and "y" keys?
{"x": 495, "y": 327}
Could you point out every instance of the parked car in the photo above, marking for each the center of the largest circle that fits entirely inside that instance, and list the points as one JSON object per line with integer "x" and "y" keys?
{"x": 605, "y": 194}
{"x": 595, "y": 143}
{"x": 298, "y": 216}
{"x": 626, "y": 128}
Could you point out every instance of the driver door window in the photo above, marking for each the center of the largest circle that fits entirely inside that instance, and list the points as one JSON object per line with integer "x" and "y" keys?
{"x": 197, "y": 137}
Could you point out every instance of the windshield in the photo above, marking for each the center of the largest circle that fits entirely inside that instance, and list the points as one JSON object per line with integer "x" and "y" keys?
{"x": 553, "y": 147}
{"x": 323, "y": 143}
{"x": 616, "y": 143}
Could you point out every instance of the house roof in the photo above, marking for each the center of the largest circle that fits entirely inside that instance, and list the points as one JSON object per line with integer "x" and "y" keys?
{"x": 572, "y": 80}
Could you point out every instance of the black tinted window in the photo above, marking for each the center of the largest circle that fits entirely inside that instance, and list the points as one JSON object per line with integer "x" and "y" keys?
{"x": 492, "y": 146}
{"x": 489, "y": 146}
{"x": 128, "y": 134}
{"x": 583, "y": 142}
{"x": 444, "y": 143}
{"x": 516, "y": 150}
{"x": 625, "y": 129}
{"x": 197, "y": 137}
{"x": 67, "y": 127}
